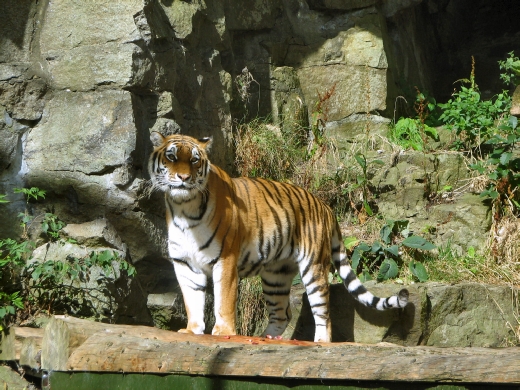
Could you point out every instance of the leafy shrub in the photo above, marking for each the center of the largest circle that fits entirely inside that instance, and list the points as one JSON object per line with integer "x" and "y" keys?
{"x": 511, "y": 68}
{"x": 409, "y": 133}
{"x": 388, "y": 252}
{"x": 24, "y": 283}
{"x": 502, "y": 167}
{"x": 469, "y": 116}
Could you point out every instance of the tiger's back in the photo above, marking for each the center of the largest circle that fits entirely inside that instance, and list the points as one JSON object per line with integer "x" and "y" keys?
{"x": 227, "y": 228}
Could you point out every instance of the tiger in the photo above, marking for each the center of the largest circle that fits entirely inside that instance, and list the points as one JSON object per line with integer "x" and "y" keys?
{"x": 225, "y": 229}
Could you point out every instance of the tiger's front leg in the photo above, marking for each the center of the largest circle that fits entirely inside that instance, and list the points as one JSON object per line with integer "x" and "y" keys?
{"x": 225, "y": 285}
{"x": 193, "y": 287}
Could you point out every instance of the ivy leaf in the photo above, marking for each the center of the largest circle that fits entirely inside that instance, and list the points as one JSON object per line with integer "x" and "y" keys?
{"x": 362, "y": 161}
{"x": 388, "y": 270}
{"x": 418, "y": 270}
{"x": 417, "y": 242}
{"x": 368, "y": 209}
{"x": 364, "y": 276}
{"x": 385, "y": 233}
{"x": 394, "y": 250}
{"x": 364, "y": 247}
{"x": 356, "y": 257}
{"x": 350, "y": 242}
{"x": 505, "y": 157}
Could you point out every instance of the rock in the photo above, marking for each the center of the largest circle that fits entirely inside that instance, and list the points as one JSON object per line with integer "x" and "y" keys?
{"x": 10, "y": 379}
{"x": 471, "y": 315}
{"x": 289, "y": 108}
{"x": 420, "y": 187}
{"x": 80, "y": 141}
{"x": 352, "y": 65}
{"x": 99, "y": 48}
{"x": 352, "y": 321}
{"x": 17, "y": 21}
{"x": 167, "y": 310}
{"x": 97, "y": 233}
{"x": 464, "y": 315}
{"x": 246, "y": 15}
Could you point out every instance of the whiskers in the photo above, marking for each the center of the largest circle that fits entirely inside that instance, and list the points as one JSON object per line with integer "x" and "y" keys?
{"x": 151, "y": 186}
{"x": 161, "y": 184}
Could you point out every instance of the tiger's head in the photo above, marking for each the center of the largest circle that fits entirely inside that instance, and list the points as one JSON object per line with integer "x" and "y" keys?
{"x": 179, "y": 165}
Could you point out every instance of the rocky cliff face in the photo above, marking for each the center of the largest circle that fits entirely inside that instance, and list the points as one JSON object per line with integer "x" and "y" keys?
{"x": 82, "y": 84}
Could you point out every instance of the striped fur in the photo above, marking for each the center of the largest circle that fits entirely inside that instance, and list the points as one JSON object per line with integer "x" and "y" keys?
{"x": 228, "y": 229}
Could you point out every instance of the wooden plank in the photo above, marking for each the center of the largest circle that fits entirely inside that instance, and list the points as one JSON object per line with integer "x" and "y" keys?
{"x": 30, "y": 352}
{"x": 64, "y": 334}
{"x": 124, "y": 353}
{"x": 81, "y": 345}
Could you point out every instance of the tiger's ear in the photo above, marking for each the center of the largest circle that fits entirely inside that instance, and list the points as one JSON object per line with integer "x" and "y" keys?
{"x": 156, "y": 138}
{"x": 206, "y": 143}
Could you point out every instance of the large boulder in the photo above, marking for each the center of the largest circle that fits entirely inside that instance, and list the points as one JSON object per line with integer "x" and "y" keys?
{"x": 463, "y": 315}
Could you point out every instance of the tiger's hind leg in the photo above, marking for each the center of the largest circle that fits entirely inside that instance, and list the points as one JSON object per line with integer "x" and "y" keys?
{"x": 315, "y": 279}
{"x": 276, "y": 284}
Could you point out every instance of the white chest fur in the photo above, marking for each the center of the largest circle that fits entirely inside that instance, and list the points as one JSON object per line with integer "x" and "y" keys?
{"x": 189, "y": 237}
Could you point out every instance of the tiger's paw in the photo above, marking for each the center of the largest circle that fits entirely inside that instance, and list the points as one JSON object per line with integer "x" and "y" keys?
{"x": 223, "y": 330}
{"x": 194, "y": 329}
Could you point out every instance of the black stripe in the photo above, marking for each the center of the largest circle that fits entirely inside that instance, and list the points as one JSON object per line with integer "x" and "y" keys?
{"x": 277, "y": 292}
{"x": 198, "y": 287}
{"x": 208, "y": 243}
{"x": 187, "y": 264}
{"x": 273, "y": 284}
{"x": 272, "y": 319}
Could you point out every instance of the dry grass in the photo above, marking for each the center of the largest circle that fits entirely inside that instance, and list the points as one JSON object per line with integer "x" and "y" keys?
{"x": 261, "y": 151}
{"x": 252, "y": 312}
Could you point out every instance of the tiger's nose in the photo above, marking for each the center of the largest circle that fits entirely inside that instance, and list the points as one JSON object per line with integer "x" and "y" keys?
{"x": 184, "y": 176}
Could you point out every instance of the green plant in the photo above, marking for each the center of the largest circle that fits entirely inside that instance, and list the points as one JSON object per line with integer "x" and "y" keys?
{"x": 362, "y": 180}
{"x": 13, "y": 255}
{"x": 56, "y": 284}
{"x": 51, "y": 226}
{"x": 511, "y": 68}
{"x": 502, "y": 167}
{"x": 388, "y": 252}
{"x": 414, "y": 132}
{"x": 408, "y": 133}
{"x": 471, "y": 117}
{"x": 319, "y": 116}
{"x": 24, "y": 283}
{"x": 33, "y": 193}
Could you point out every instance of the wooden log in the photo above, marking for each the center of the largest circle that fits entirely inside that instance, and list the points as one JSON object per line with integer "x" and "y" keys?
{"x": 126, "y": 353}
{"x": 15, "y": 342}
{"x": 63, "y": 334}
{"x": 92, "y": 346}
{"x": 30, "y": 353}
{"x": 7, "y": 345}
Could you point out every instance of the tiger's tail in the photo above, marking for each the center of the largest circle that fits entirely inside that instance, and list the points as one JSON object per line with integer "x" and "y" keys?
{"x": 354, "y": 285}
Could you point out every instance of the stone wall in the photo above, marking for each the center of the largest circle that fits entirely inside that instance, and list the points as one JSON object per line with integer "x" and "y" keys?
{"x": 83, "y": 84}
